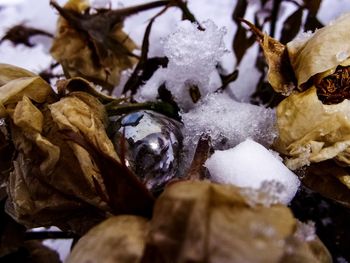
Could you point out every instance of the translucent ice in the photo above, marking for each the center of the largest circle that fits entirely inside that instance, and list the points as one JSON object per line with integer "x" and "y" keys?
{"x": 251, "y": 165}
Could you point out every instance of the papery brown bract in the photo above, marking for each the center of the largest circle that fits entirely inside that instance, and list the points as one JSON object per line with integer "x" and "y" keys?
{"x": 97, "y": 52}
{"x": 63, "y": 157}
{"x": 198, "y": 221}
{"x": 53, "y": 180}
{"x": 203, "y": 222}
{"x": 16, "y": 82}
{"x": 310, "y": 131}
{"x": 280, "y": 74}
{"x": 322, "y": 52}
{"x": 118, "y": 239}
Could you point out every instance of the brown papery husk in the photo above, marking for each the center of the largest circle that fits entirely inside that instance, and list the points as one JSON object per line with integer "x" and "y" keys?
{"x": 310, "y": 131}
{"x": 81, "y": 55}
{"x": 198, "y": 221}
{"x": 322, "y": 52}
{"x": 118, "y": 239}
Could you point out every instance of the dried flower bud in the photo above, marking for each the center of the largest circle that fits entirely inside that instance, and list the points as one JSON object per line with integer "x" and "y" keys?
{"x": 197, "y": 221}
{"x": 118, "y": 239}
{"x": 91, "y": 46}
{"x": 65, "y": 168}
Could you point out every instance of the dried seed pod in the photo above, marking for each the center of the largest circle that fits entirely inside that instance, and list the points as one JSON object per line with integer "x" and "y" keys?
{"x": 65, "y": 168}
{"x": 118, "y": 239}
{"x": 92, "y": 46}
{"x": 312, "y": 121}
{"x": 198, "y": 221}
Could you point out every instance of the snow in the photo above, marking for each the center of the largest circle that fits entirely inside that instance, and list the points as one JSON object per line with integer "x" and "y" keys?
{"x": 306, "y": 231}
{"x": 331, "y": 9}
{"x": 229, "y": 122}
{"x": 250, "y": 164}
{"x": 193, "y": 55}
{"x": 61, "y": 245}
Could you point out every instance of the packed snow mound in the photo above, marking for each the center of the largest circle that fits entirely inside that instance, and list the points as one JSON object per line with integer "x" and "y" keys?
{"x": 251, "y": 165}
{"x": 193, "y": 54}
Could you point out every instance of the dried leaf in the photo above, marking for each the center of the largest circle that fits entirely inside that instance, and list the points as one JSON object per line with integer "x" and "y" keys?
{"x": 79, "y": 84}
{"x": 241, "y": 43}
{"x": 334, "y": 88}
{"x": 310, "y": 131}
{"x": 92, "y": 46}
{"x": 322, "y": 53}
{"x": 118, "y": 239}
{"x": 65, "y": 161}
{"x": 11, "y": 233}
{"x": 21, "y": 34}
{"x": 280, "y": 73}
{"x": 312, "y": 23}
{"x": 197, "y": 170}
{"x": 136, "y": 79}
{"x": 240, "y": 9}
{"x": 16, "y": 83}
{"x": 6, "y": 155}
{"x": 326, "y": 179}
{"x": 204, "y": 222}
{"x": 9, "y": 72}
{"x": 227, "y": 79}
{"x": 312, "y": 6}
{"x": 291, "y": 26}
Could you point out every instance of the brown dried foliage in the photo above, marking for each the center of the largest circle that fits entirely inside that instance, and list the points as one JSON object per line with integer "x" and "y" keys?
{"x": 335, "y": 88}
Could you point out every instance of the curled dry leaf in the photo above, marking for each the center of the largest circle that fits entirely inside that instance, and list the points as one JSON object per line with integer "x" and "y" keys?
{"x": 328, "y": 179}
{"x": 204, "y": 222}
{"x": 313, "y": 124}
{"x": 197, "y": 221}
{"x": 322, "y": 52}
{"x": 118, "y": 239}
{"x": 51, "y": 174}
{"x": 16, "y": 83}
{"x": 280, "y": 74}
{"x": 310, "y": 131}
{"x": 313, "y": 120}
{"x": 64, "y": 159}
{"x": 91, "y": 46}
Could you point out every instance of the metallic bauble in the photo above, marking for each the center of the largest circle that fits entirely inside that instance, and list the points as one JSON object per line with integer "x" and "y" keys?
{"x": 152, "y": 146}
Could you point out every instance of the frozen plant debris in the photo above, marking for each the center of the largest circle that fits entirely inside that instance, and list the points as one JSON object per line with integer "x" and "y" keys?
{"x": 250, "y": 164}
{"x": 193, "y": 54}
{"x": 229, "y": 122}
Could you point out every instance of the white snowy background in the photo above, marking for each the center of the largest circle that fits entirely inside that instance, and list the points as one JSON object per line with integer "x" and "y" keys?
{"x": 255, "y": 122}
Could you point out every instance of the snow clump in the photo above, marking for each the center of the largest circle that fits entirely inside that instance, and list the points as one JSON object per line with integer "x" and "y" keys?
{"x": 229, "y": 122}
{"x": 193, "y": 54}
{"x": 251, "y": 165}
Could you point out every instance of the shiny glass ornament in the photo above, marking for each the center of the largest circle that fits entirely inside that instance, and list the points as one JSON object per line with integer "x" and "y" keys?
{"x": 152, "y": 146}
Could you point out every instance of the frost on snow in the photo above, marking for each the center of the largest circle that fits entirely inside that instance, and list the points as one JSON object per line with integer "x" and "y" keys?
{"x": 193, "y": 55}
{"x": 251, "y": 165}
{"x": 229, "y": 122}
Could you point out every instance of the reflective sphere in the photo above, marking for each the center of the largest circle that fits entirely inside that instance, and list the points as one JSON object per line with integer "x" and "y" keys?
{"x": 152, "y": 146}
